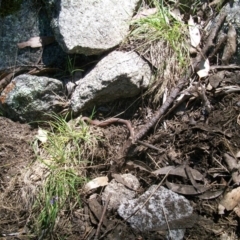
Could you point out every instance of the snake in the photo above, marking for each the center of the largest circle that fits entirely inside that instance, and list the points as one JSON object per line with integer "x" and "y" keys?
{"x": 110, "y": 121}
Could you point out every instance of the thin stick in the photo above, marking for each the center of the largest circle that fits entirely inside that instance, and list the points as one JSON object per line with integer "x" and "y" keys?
{"x": 101, "y": 220}
{"x": 167, "y": 223}
{"x": 163, "y": 109}
{"x": 150, "y": 146}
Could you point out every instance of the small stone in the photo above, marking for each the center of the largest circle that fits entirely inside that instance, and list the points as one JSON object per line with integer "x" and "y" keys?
{"x": 119, "y": 192}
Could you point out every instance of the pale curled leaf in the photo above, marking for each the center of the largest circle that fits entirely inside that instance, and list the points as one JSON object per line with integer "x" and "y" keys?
{"x": 194, "y": 33}
{"x": 237, "y": 210}
{"x": 230, "y": 200}
{"x": 95, "y": 183}
{"x": 204, "y": 68}
{"x": 176, "y": 14}
{"x": 42, "y": 135}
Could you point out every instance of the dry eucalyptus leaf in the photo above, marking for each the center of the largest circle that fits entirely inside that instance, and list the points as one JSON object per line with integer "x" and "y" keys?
{"x": 186, "y": 189}
{"x": 95, "y": 183}
{"x": 138, "y": 165}
{"x": 178, "y": 171}
{"x": 194, "y": 33}
{"x": 230, "y": 200}
{"x": 175, "y": 13}
{"x": 211, "y": 194}
{"x": 42, "y": 135}
{"x": 36, "y": 42}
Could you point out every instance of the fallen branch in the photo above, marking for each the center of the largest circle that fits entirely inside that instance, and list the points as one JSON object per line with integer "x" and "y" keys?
{"x": 163, "y": 109}
{"x": 103, "y": 214}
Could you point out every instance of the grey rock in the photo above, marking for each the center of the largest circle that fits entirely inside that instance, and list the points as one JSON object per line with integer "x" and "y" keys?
{"x": 118, "y": 75}
{"x": 153, "y": 212}
{"x": 30, "y": 20}
{"x": 29, "y": 98}
{"x": 90, "y": 27}
{"x": 119, "y": 192}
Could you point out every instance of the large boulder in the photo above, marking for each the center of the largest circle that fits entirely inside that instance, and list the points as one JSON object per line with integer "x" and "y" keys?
{"x": 30, "y": 98}
{"x": 29, "y": 19}
{"x": 90, "y": 27}
{"x": 118, "y": 75}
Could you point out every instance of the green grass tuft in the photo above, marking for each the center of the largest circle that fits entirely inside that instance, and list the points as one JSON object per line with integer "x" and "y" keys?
{"x": 161, "y": 26}
{"x": 163, "y": 41}
{"x": 63, "y": 158}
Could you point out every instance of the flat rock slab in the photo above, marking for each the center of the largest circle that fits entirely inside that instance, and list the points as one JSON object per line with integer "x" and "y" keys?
{"x": 153, "y": 211}
{"x": 91, "y": 27}
{"x": 118, "y": 75}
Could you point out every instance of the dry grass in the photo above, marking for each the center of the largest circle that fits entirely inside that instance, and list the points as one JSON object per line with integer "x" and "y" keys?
{"x": 162, "y": 41}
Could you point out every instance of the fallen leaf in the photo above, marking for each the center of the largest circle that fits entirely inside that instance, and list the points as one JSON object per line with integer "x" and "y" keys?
{"x": 211, "y": 194}
{"x": 204, "y": 68}
{"x": 175, "y": 13}
{"x": 186, "y": 189}
{"x": 138, "y": 165}
{"x": 95, "y": 183}
{"x": 178, "y": 171}
{"x": 36, "y": 42}
{"x": 237, "y": 210}
{"x": 194, "y": 33}
{"x": 230, "y": 200}
{"x": 42, "y": 135}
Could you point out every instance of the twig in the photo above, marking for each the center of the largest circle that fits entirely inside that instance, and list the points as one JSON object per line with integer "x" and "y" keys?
{"x": 167, "y": 223}
{"x": 211, "y": 37}
{"x": 149, "y": 145}
{"x": 233, "y": 167}
{"x": 210, "y": 41}
{"x": 206, "y": 102}
{"x": 101, "y": 220}
{"x": 225, "y": 67}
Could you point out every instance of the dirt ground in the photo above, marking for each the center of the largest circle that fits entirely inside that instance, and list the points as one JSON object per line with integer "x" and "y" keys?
{"x": 188, "y": 137}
